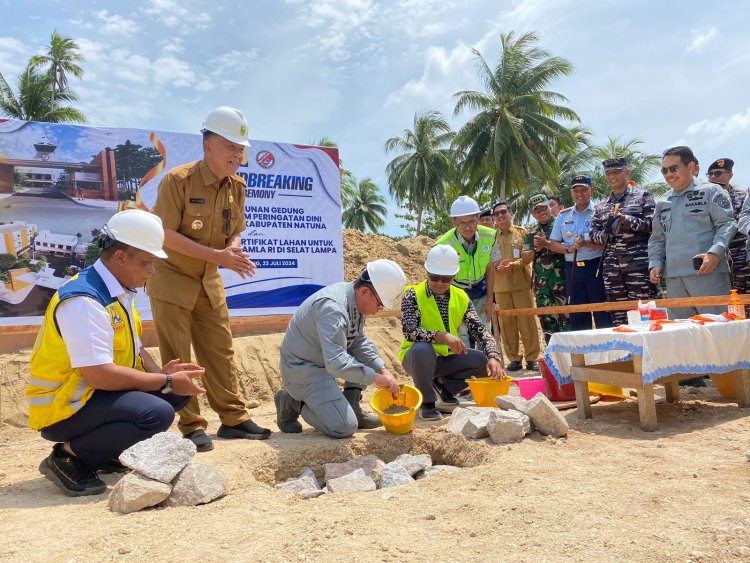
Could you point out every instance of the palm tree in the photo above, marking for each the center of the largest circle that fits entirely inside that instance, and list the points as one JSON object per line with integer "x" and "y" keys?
{"x": 642, "y": 165}
{"x": 62, "y": 58}
{"x": 512, "y": 136}
{"x": 34, "y": 101}
{"x": 366, "y": 208}
{"x": 418, "y": 176}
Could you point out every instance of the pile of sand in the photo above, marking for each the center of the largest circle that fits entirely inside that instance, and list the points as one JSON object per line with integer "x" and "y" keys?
{"x": 361, "y": 248}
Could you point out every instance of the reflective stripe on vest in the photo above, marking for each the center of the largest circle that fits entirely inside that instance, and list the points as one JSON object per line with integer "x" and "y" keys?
{"x": 431, "y": 319}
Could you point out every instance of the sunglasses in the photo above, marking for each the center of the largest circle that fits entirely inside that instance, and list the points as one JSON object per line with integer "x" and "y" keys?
{"x": 500, "y": 212}
{"x": 539, "y": 209}
{"x": 441, "y": 279}
{"x": 226, "y": 227}
{"x": 715, "y": 173}
{"x": 674, "y": 168}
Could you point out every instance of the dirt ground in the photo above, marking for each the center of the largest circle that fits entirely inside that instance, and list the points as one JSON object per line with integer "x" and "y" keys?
{"x": 609, "y": 492}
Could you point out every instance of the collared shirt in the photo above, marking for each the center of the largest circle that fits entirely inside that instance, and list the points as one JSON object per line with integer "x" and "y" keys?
{"x": 571, "y": 223}
{"x": 695, "y": 220}
{"x": 508, "y": 246}
{"x": 191, "y": 201}
{"x": 411, "y": 317}
{"x": 86, "y": 327}
{"x": 470, "y": 246}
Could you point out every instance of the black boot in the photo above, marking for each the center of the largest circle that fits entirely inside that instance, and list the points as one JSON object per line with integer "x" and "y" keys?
{"x": 365, "y": 421}
{"x": 287, "y": 412}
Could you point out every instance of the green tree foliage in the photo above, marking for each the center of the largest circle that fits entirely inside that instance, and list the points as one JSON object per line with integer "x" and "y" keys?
{"x": 512, "y": 136}
{"x": 419, "y": 174}
{"x": 34, "y": 101}
{"x": 366, "y": 209}
{"x": 62, "y": 58}
{"x": 643, "y": 166}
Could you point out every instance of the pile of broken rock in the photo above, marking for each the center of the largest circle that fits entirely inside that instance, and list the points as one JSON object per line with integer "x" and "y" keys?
{"x": 363, "y": 474}
{"x": 164, "y": 474}
{"x": 511, "y": 422}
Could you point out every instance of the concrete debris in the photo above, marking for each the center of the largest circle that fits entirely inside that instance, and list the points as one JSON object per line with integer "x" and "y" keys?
{"x": 461, "y": 415}
{"x": 432, "y": 470}
{"x": 306, "y": 485}
{"x": 512, "y": 403}
{"x": 413, "y": 463}
{"x": 161, "y": 457}
{"x": 135, "y": 492}
{"x": 394, "y": 475}
{"x": 198, "y": 483}
{"x": 353, "y": 482}
{"x": 546, "y": 418}
{"x": 476, "y": 426}
{"x": 508, "y": 426}
{"x": 370, "y": 464}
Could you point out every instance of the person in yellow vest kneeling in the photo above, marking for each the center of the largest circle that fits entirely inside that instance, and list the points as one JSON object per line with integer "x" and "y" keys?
{"x": 432, "y": 352}
{"x": 94, "y": 389}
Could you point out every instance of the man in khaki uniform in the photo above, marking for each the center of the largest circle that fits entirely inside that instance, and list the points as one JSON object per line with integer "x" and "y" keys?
{"x": 201, "y": 205}
{"x": 512, "y": 288}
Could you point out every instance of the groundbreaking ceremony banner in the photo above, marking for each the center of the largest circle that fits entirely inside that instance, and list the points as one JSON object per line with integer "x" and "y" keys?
{"x": 59, "y": 184}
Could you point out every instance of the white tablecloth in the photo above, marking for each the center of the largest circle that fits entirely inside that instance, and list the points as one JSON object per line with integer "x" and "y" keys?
{"x": 677, "y": 348}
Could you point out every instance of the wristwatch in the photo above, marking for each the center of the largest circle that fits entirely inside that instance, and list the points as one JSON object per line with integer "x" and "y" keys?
{"x": 168, "y": 385}
{"x": 493, "y": 356}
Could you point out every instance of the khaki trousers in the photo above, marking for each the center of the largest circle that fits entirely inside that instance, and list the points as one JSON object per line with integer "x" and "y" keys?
{"x": 511, "y": 326}
{"x": 208, "y": 330}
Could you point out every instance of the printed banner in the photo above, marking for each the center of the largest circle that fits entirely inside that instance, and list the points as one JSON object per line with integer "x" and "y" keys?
{"x": 59, "y": 184}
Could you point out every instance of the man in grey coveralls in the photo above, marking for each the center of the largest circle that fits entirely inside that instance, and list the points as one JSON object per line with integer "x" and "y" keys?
{"x": 325, "y": 340}
{"x": 692, "y": 221}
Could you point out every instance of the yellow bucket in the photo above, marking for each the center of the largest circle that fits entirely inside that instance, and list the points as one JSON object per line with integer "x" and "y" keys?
{"x": 485, "y": 389}
{"x": 725, "y": 384}
{"x": 604, "y": 390}
{"x": 409, "y": 397}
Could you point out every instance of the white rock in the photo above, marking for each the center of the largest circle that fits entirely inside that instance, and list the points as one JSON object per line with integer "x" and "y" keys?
{"x": 546, "y": 418}
{"x": 354, "y": 482}
{"x": 460, "y": 416}
{"x": 432, "y": 470}
{"x": 512, "y": 403}
{"x": 306, "y": 485}
{"x": 394, "y": 475}
{"x": 370, "y": 464}
{"x": 413, "y": 463}
{"x": 476, "y": 426}
{"x": 135, "y": 492}
{"x": 198, "y": 483}
{"x": 161, "y": 457}
{"x": 508, "y": 426}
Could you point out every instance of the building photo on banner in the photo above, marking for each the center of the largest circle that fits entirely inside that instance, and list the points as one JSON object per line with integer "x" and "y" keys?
{"x": 59, "y": 184}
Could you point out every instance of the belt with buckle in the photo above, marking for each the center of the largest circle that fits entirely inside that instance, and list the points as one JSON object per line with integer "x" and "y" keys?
{"x": 580, "y": 264}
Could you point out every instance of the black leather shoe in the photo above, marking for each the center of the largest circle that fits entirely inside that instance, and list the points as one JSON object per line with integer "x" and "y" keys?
{"x": 201, "y": 440}
{"x": 247, "y": 430}
{"x": 70, "y": 474}
{"x": 112, "y": 466}
{"x": 515, "y": 365}
{"x": 531, "y": 365}
{"x": 287, "y": 412}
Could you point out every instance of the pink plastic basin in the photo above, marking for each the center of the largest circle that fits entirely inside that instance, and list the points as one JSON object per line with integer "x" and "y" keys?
{"x": 530, "y": 386}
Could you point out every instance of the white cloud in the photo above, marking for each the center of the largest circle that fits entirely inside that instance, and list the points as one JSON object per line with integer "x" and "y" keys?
{"x": 700, "y": 40}
{"x": 173, "y": 14}
{"x": 172, "y": 71}
{"x": 13, "y": 56}
{"x": 720, "y": 128}
{"x": 116, "y": 25}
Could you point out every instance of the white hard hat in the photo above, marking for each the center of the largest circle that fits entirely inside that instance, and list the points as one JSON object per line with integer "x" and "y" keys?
{"x": 139, "y": 229}
{"x": 442, "y": 260}
{"x": 388, "y": 279}
{"x": 464, "y": 205}
{"x": 228, "y": 122}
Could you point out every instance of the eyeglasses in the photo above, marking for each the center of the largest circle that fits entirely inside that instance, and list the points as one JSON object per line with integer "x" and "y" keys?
{"x": 674, "y": 168}
{"x": 500, "y": 212}
{"x": 539, "y": 208}
{"x": 467, "y": 224}
{"x": 441, "y": 279}
{"x": 226, "y": 227}
{"x": 711, "y": 173}
{"x": 377, "y": 298}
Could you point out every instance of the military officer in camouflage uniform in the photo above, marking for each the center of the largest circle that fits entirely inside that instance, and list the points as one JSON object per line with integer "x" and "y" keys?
{"x": 720, "y": 172}
{"x": 692, "y": 222}
{"x": 622, "y": 222}
{"x": 548, "y": 277}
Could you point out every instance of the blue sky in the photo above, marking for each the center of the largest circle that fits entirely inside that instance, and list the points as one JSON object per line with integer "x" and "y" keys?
{"x": 357, "y": 70}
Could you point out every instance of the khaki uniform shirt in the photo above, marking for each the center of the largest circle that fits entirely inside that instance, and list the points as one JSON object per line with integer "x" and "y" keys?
{"x": 191, "y": 202}
{"x": 509, "y": 245}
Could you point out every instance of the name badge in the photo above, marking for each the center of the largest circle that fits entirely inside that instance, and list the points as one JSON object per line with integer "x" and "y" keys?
{"x": 197, "y": 200}
{"x": 516, "y": 253}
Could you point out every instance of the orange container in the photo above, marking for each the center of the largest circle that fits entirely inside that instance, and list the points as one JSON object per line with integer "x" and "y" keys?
{"x": 725, "y": 384}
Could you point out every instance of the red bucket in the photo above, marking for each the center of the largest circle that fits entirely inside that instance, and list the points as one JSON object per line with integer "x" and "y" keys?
{"x": 555, "y": 391}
